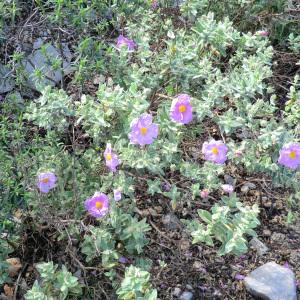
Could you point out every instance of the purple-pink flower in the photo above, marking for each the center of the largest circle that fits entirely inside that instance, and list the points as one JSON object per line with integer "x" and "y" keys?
{"x": 97, "y": 205}
{"x": 181, "y": 109}
{"x": 289, "y": 155}
{"x": 117, "y": 195}
{"x": 215, "y": 151}
{"x": 204, "y": 193}
{"x": 46, "y": 181}
{"x": 124, "y": 41}
{"x": 111, "y": 159}
{"x": 227, "y": 188}
{"x": 142, "y": 130}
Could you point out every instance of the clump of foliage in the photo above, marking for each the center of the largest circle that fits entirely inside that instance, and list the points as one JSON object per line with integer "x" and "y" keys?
{"x": 228, "y": 222}
{"x": 54, "y": 284}
{"x": 63, "y": 144}
{"x": 136, "y": 285}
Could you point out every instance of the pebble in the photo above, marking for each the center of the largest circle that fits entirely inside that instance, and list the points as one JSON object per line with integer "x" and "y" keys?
{"x": 171, "y": 222}
{"x": 259, "y": 246}
{"x": 295, "y": 258}
{"x": 278, "y": 238}
{"x": 176, "y": 292}
{"x": 248, "y": 186}
{"x": 186, "y": 296}
{"x": 272, "y": 282}
{"x": 267, "y": 232}
{"x": 229, "y": 180}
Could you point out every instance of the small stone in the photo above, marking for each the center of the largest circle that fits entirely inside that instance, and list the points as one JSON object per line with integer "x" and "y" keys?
{"x": 250, "y": 185}
{"x": 171, "y": 222}
{"x": 278, "y": 238}
{"x": 14, "y": 266}
{"x": 267, "y": 232}
{"x": 247, "y": 186}
{"x": 295, "y": 258}
{"x": 244, "y": 189}
{"x": 272, "y": 282}
{"x": 259, "y": 246}
{"x": 186, "y": 296}
{"x": 176, "y": 292}
{"x": 189, "y": 287}
{"x": 229, "y": 180}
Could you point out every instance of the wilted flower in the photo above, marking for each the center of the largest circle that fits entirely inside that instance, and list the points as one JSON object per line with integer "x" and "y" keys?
{"x": 111, "y": 159}
{"x": 124, "y": 41}
{"x": 117, "y": 195}
{"x": 227, "y": 188}
{"x": 289, "y": 155}
{"x": 46, "y": 181}
{"x": 142, "y": 130}
{"x": 123, "y": 260}
{"x": 286, "y": 265}
{"x": 166, "y": 187}
{"x": 215, "y": 151}
{"x": 204, "y": 193}
{"x": 181, "y": 109}
{"x": 98, "y": 205}
{"x": 263, "y": 33}
{"x": 154, "y": 4}
{"x": 238, "y": 153}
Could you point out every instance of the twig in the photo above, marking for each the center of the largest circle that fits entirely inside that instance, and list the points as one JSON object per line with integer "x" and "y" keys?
{"x": 18, "y": 280}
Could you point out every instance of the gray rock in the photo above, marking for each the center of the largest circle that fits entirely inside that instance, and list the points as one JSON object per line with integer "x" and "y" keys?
{"x": 229, "y": 180}
{"x": 278, "y": 238}
{"x": 6, "y": 81}
{"x": 295, "y": 258}
{"x": 247, "y": 186}
{"x": 250, "y": 185}
{"x": 272, "y": 282}
{"x": 43, "y": 60}
{"x": 186, "y": 296}
{"x": 176, "y": 292}
{"x": 259, "y": 246}
{"x": 171, "y": 222}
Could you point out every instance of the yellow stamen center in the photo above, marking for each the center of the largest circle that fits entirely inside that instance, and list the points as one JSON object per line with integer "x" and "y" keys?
{"x": 108, "y": 156}
{"x": 45, "y": 180}
{"x": 143, "y": 130}
{"x": 98, "y": 204}
{"x": 215, "y": 150}
{"x": 292, "y": 154}
{"x": 181, "y": 108}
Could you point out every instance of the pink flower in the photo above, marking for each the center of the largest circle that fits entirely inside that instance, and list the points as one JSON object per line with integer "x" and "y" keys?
{"x": 204, "y": 193}
{"x": 46, "y": 181}
{"x": 97, "y": 205}
{"x": 215, "y": 151}
{"x": 289, "y": 155}
{"x": 111, "y": 159}
{"x": 227, "y": 188}
{"x": 263, "y": 33}
{"x": 124, "y": 41}
{"x": 142, "y": 130}
{"x": 181, "y": 109}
